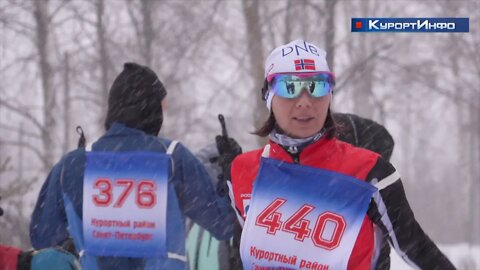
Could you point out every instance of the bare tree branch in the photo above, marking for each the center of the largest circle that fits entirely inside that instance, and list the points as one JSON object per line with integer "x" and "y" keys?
{"x": 319, "y": 10}
{"x": 95, "y": 101}
{"x": 352, "y": 70}
{"x": 417, "y": 77}
{"x": 81, "y": 17}
{"x": 4, "y": 164}
{"x": 18, "y": 130}
{"x": 58, "y": 9}
{"x": 133, "y": 18}
{"x": 29, "y": 146}
{"x": 23, "y": 113}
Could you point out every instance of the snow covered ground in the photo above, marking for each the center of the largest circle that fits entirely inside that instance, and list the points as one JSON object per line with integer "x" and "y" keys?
{"x": 463, "y": 256}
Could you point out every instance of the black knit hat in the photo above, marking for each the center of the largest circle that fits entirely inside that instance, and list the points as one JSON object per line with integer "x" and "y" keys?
{"x": 135, "y": 99}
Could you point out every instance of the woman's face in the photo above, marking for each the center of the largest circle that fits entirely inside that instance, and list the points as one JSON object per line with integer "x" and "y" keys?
{"x": 301, "y": 117}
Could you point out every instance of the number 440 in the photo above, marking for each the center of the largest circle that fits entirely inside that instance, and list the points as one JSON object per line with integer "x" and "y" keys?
{"x": 145, "y": 192}
{"x": 300, "y": 227}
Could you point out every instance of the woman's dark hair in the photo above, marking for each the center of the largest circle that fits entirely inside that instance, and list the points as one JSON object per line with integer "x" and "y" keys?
{"x": 269, "y": 125}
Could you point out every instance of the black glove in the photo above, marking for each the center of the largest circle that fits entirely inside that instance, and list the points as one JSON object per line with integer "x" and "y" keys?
{"x": 228, "y": 149}
{"x": 24, "y": 260}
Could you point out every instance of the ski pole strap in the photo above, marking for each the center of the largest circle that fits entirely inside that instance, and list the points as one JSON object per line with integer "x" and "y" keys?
{"x": 82, "y": 141}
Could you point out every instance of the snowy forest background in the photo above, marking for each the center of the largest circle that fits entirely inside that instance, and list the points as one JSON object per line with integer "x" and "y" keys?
{"x": 59, "y": 58}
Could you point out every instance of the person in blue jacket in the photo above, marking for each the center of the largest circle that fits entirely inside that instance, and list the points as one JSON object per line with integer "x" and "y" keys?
{"x": 124, "y": 202}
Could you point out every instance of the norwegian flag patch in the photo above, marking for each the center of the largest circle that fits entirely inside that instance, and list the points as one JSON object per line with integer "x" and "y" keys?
{"x": 304, "y": 64}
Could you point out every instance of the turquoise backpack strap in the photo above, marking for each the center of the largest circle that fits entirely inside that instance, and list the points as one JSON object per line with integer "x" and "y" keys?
{"x": 45, "y": 259}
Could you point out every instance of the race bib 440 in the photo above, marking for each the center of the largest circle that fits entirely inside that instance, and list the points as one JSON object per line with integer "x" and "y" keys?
{"x": 302, "y": 218}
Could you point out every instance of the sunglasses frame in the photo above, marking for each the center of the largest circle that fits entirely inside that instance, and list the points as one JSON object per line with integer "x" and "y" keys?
{"x": 270, "y": 78}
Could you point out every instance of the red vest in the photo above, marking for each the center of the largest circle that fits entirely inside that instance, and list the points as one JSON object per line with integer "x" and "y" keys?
{"x": 328, "y": 154}
{"x": 9, "y": 257}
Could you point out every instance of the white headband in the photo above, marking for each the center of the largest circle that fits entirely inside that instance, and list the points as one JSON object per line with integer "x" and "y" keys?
{"x": 294, "y": 57}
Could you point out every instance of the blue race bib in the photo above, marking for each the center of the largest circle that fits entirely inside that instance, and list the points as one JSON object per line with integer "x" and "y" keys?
{"x": 125, "y": 204}
{"x": 302, "y": 217}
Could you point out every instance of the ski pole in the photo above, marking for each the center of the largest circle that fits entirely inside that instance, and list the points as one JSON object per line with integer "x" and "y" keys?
{"x": 222, "y": 123}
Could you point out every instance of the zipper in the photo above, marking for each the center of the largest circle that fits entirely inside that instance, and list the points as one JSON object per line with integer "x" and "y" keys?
{"x": 294, "y": 153}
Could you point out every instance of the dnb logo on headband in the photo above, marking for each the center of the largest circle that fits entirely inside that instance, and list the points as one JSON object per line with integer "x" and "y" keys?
{"x": 296, "y": 56}
{"x": 299, "y": 48}
{"x": 304, "y": 64}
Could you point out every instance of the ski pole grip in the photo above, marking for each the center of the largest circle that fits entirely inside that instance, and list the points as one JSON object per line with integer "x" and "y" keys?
{"x": 1, "y": 210}
{"x": 222, "y": 123}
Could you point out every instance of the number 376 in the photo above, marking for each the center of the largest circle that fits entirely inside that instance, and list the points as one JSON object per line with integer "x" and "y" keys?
{"x": 145, "y": 192}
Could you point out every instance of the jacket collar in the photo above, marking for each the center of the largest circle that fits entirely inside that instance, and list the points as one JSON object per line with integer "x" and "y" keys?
{"x": 321, "y": 149}
{"x": 119, "y": 129}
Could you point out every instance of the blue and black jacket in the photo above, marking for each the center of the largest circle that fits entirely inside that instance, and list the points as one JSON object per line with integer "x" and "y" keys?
{"x": 190, "y": 193}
